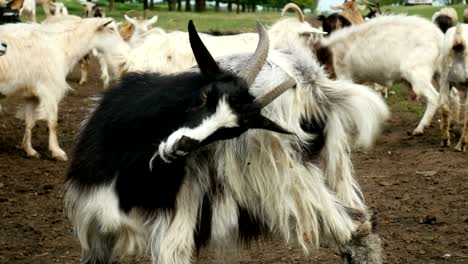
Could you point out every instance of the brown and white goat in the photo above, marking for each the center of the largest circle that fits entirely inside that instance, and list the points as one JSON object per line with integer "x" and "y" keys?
{"x": 351, "y": 11}
{"x": 388, "y": 49}
{"x": 455, "y": 76}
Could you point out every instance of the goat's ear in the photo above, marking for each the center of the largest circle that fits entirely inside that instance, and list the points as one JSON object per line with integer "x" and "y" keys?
{"x": 16, "y": 4}
{"x": 321, "y": 18}
{"x": 208, "y": 66}
{"x": 130, "y": 20}
{"x": 153, "y": 20}
{"x": 103, "y": 26}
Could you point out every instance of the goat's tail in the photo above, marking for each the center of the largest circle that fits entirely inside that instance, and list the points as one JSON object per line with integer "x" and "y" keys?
{"x": 355, "y": 121}
{"x": 297, "y": 9}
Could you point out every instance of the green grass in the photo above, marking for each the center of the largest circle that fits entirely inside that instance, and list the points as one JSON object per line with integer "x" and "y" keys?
{"x": 205, "y": 22}
{"x": 424, "y": 11}
{"x": 222, "y": 21}
{"x": 400, "y": 100}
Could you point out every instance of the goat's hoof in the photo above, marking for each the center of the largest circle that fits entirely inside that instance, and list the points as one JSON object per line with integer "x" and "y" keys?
{"x": 461, "y": 147}
{"x": 445, "y": 143}
{"x": 417, "y": 133}
{"x": 60, "y": 156}
{"x": 33, "y": 154}
{"x": 357, "y": 215}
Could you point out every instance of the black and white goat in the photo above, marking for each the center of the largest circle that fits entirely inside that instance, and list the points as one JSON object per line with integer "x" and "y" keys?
{"x": 134, "y": 186}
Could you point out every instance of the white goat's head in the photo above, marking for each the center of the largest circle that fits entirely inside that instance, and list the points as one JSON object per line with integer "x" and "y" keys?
{"x": 141, "y": 24}
{"x": 106, "y": 34}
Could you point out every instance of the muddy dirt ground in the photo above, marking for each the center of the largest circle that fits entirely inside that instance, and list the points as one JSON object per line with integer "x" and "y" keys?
{"x": 418, "y": 190}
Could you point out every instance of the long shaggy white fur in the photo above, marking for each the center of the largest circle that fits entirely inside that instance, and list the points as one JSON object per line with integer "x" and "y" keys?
{"x": 296, "y": 198}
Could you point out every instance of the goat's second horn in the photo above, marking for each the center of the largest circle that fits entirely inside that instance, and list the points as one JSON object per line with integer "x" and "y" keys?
{"x": 267, "y": 98}
{"x": 259, "y": 57}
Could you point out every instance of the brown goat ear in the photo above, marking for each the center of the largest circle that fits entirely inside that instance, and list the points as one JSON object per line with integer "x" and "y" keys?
{"x": 16, "y": 4}
{"x": 208, "y": 66}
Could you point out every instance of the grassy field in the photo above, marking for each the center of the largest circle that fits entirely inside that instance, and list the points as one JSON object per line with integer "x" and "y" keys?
{"x": 221, "y": 21}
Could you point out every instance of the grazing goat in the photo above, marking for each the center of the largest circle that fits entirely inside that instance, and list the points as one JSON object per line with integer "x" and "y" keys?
{"x": 136, "y": 184}
{"x": 37, "y": 63}
{"x": 389, "y": 49}
{"x": 455, "y": 76}
{"x": 445, "y": 18}
{"x": 9, "y": 13}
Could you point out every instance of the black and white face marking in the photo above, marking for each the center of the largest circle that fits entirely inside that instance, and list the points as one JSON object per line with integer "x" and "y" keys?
{"x": 226, "y": 108}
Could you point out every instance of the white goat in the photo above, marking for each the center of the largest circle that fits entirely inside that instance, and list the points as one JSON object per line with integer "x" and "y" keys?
{"x": 170, "y": 52}
{"x": 132, "y": 33}
{"x": 140, "y": 26}
{"x": 455, "y": 76}
{"x": 37, "y": 63}
{"x": 390, "y": 49}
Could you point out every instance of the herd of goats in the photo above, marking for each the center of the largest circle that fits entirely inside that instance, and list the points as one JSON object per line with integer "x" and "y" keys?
{"x": 175, "y": 157}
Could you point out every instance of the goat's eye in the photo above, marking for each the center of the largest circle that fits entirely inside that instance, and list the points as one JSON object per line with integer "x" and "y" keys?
{"x": 204, "y": 95}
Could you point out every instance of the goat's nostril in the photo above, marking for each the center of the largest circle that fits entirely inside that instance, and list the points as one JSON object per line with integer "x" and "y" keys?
{"x": 4, "y": 45}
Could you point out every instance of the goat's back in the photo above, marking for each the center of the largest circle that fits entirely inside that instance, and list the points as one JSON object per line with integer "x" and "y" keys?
{"x": 387, "y": 45}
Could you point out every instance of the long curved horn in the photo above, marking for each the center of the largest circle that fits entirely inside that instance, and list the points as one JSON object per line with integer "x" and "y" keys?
{"x": 145, "y": 13}
{"x": 267, "y": 98}
{"x": 259, "y": 57}
{"x": 296, "y": 9}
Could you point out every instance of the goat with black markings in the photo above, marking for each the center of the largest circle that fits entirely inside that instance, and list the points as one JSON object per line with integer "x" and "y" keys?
{"x": 137, "y": 175}
{"x": 297, "y": 186}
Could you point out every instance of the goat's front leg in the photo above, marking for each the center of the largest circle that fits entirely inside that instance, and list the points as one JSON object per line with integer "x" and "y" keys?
{"x": 84, "y": 63}
{"x": 364, "y": 247}
{"x": 445, "y": 125}
{"x": 57, "y": 152}
{"x": 51, "y": 108}
{"x": 30, "y": 121}
{"x": 463, "y": 143}
{"x": 178, "y": 244}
